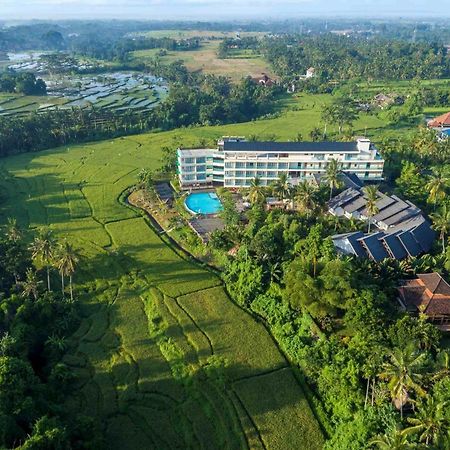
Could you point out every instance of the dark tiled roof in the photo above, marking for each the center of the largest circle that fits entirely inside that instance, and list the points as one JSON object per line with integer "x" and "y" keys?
{"x": 428, "y": 293}
{"x": 410, "y": 244}
{"x": 356, "y": 245}
{"x": 308, "y": 147}
{"x": 424, "y": 235}
{"x": 375, "y": 247}
{"x": 344, "y": 198}
{"x": 394, "y": 246}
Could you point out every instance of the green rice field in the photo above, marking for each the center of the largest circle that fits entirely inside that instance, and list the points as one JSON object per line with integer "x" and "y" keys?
{"x": 163, "y": 359}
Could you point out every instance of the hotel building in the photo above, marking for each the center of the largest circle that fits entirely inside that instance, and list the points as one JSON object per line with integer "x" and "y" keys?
{"x": 236, "y": 162}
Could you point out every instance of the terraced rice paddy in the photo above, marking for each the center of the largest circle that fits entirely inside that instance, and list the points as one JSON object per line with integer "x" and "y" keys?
{"x": 111, "y": 92}
{"x": 163, "y": 358}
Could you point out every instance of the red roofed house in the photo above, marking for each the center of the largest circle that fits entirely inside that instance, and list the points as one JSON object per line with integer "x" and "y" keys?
{"x": 429, "y": 294}
{"x": 440, "y": 121}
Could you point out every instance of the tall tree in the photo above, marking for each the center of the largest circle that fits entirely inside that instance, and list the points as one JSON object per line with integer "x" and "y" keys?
{"x": 256, "y": 194}
{"x": 342, "y": 111}
{"x": 30, "y": 286}
{"x": 332, "y": 175}
{"x": 441, "y": 223}
{"x": 437, "y": 185}
{"x": 66, "y": 261}
{"x": 403, "y": 373}
{"x": 282, "y": 187}
{"x": 305, "y": 197}
{"x": 371, "y": 203}
{"x": 43, "y": 248}
{"x": 430, "y": 421}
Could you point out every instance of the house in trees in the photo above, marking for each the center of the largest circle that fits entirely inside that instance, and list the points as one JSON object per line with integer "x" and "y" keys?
{"x": 400, "y": 230}
{"x": 263, "y": 80}
{"x": 441, "y": 124}
{"x": 429, "y": 294}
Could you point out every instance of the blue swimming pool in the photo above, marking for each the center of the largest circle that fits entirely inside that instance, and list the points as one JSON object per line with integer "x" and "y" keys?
{"x": 203, "y": 203}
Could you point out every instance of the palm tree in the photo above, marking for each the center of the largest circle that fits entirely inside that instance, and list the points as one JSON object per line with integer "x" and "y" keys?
{"x": 430, "y": 421}
{"x": 395, "y": 440}
{"x": 43, "y": 248}
{"x": 282, "y": 187}
{"x": 332, "y": 175}
{"x": 256, "y": 194}
{"x": 437, "y": 185}
{"x": 30, "y": 287}
{"x": 371, "y": 202}
{"x": 66, "y": 260}
{"x": 13, "y": 232}
{"x": 403, "y": 372}
{"x": 305, "y": 197}
{"x": 441, "y": 223}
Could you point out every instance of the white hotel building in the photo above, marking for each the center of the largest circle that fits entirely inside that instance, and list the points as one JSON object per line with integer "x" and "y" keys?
{"x": 236, "y": 162}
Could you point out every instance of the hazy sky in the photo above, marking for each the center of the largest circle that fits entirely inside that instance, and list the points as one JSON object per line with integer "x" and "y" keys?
{"x": 217, "y": 9}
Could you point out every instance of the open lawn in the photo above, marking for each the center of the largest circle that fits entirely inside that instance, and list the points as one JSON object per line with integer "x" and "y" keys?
{"x": 205, "y": 59}
{"x": 163, "y": 359}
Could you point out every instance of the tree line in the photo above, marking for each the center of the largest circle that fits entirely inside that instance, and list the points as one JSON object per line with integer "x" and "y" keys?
{"x": 342, "y": 58}
{"x": 36, "y": 320}
{"x": 24, "y": 83}
{"x": 210, "y": 100}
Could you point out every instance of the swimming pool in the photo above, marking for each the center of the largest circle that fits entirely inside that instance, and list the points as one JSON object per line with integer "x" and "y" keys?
{"x": 203, "y": 203}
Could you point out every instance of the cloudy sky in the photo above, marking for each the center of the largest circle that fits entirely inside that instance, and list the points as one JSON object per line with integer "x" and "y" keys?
{"x": 216, "y": 9}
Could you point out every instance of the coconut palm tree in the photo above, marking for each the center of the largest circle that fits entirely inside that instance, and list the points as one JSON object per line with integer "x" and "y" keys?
{"x": 66, "y": 261}
{"x": 13, "y": 232}
{"x": 256, "y": 194}
{"x": 395, "y": 440}
{"x": 43, "y": 249}
{"x": 30, "y": 286}
{"x": 305, "y": 197}
{"x": 430, "y": 421}
{"x": 402, "y": 372}
{"x": 332, "y": 175}
{"x": 441, "y": 223}
{"x": 371, "y": 202}
{"x": 437, "y": 185}
{"x": 282, "y": 187}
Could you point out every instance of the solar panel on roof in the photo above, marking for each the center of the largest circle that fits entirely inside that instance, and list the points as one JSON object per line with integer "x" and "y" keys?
{"x": 356, "y": 245}
{"x": 424, "y": 235}
{"x": 395, "y": 246}
{"x": 250, "y": 146}
{"x": 375, "y": 247}
{"x": 410, "y": 244}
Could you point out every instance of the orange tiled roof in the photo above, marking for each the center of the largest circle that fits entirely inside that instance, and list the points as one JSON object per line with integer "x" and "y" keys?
{"x": 428, "y": 293}
{"x": 440, "y": 121}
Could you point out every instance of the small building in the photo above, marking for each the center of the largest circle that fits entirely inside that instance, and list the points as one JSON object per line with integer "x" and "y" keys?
{"x": 263, "y": 80}
{"x": 386, "y": 100}
{"x": 441, "y": 124}
{"x": 429, "y": 294}
{"x": 311, "y": 72}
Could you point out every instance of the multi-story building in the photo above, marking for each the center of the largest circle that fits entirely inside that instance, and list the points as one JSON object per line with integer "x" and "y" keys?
{"x": 236, "y": 162}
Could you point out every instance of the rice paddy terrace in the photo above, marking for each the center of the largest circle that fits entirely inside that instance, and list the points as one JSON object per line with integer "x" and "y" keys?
{"x": 163, "y": 358}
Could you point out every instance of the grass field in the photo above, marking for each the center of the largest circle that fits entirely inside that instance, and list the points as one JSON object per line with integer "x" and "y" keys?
{"x": 163, "y": 358}
{"x": 205, "y": 59}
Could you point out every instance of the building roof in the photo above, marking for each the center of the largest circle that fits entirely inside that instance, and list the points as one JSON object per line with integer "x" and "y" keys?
{"x": 394, "y": 246}
{"x": 374, "y": 246}
{"x": 440, "y": 121}
{"x": 306, "y": 147}
{"x": 428, "y": 293}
